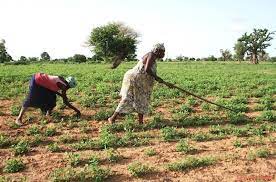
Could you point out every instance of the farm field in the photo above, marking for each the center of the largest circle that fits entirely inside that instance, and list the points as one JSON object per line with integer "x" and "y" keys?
{"x": 182, "y": 139}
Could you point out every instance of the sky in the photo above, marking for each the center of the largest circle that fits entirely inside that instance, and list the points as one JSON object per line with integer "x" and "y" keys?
{"x": 193, "y": 28}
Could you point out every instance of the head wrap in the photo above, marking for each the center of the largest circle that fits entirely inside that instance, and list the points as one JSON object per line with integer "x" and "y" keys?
{"x": 158, "y": 47}
{"x": 71, "y": 81}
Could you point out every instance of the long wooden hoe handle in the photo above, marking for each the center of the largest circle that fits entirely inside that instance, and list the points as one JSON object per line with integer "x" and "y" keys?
{"x": 170, "y": 85}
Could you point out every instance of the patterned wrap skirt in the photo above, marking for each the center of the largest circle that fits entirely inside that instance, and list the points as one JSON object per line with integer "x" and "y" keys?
{"x": 136, "y": 90}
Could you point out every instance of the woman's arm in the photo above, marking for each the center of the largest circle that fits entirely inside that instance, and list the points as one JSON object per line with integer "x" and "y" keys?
{"x": 66, "y": 102}
{"x": 65, "y": 98}
{"x": 150, "y": 58}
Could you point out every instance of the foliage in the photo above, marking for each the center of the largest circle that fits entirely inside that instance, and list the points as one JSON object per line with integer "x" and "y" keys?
{"x": 22, "y": 147}
{"x": 88, "y": 173}
{"x": 226, "y": 54}
{"x": 4, "y": 56}
{"x": 256, "y": 43}
{"x": 45, "y": 56}
{"x": 240, "y": 51}
{"x": 150, "y": 152}
{"x": 113, "y": 40}
{"x": 14, "y": 165}
{"x": 138, "y": 169}
{"x": 190, "y": 163}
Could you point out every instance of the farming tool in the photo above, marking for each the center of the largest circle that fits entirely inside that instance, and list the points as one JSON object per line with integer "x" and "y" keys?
{"x": 170, "y": 85}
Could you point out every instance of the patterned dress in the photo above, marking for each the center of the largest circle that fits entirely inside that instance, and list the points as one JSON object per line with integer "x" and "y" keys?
{"x": 136, "y": 90}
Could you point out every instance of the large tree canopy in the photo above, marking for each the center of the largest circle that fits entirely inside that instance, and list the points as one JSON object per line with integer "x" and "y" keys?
{"x": 256, "y": 42}
{"x": 4, "y": 56}
{"x": 114, "y": 41}
{"x": 45, "y": 56}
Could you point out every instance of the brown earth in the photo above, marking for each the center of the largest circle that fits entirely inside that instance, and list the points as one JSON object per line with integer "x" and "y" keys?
{"x": 232, "y": 163}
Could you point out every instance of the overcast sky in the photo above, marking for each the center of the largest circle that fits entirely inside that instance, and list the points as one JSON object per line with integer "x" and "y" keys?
{"x": 194, "y": 28}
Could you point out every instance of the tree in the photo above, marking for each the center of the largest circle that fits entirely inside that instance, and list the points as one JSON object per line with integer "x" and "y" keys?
{"x": 79, "y": 58}
{"x": 4, "y": 56}
{"x": 240, "y": 51}
{"x": 211, "y": 58}
{"x": 32, "y": 59}
{"x": 225, "y": 54}
{"x": 45, "y": 56}
{"x": 114, "y": 41}
{"x": 23, "y": 59}
{"x": 256, "y": 42}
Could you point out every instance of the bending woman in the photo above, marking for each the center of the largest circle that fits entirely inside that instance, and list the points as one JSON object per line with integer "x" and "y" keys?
{"x": 138, "y": 84}
{"x": 43, "y": 91}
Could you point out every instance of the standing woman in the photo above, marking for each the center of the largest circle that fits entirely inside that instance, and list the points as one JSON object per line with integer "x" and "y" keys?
{"x": 43, "y": 91}
{"x": 138, "y": 84}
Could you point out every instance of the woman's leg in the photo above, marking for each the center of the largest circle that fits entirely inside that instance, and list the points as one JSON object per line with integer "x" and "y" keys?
{"x": 112, "y": 119}
{"x": 19, "y": 118}
{"x": 140, "y": 118}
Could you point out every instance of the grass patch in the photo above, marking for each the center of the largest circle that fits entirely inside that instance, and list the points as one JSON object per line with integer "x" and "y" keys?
{"x": 88, "y": 173}
{"x": 191, "y": 163}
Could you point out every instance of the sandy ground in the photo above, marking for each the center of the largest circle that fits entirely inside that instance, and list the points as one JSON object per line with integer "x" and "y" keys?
{"x": 232, "y": 163}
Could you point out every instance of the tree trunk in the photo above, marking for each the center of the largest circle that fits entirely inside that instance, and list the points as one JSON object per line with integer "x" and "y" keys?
{"x": 254, "y": 58}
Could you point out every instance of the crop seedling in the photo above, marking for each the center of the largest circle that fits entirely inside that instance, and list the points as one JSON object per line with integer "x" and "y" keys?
{"x": 73, "y": 159}
{"x": 138, "y": 169}
{"x": 50, "y": 131}
{"x": 4, "y": 141}
{"x": 33, "y": 130}
{"x": 15, "y": 110}
{"x": 13, "y": 166}
{"x": 94, "y": 160}
{"x": 54, "y": 147}
{"x": 22, "y": 147}
{"x": 150, "y": 152}
{"x": 113, "y": 155}
{"x": 184, "y": 147}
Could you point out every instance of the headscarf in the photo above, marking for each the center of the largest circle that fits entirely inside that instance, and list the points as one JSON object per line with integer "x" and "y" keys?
{"x": 158, "y": 46}
{"x": 71, "y": 81}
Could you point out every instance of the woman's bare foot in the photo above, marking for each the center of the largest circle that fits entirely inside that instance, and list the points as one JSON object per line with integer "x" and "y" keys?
{"x": 110, "y": 120}
{"x": 18, "y": 122}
